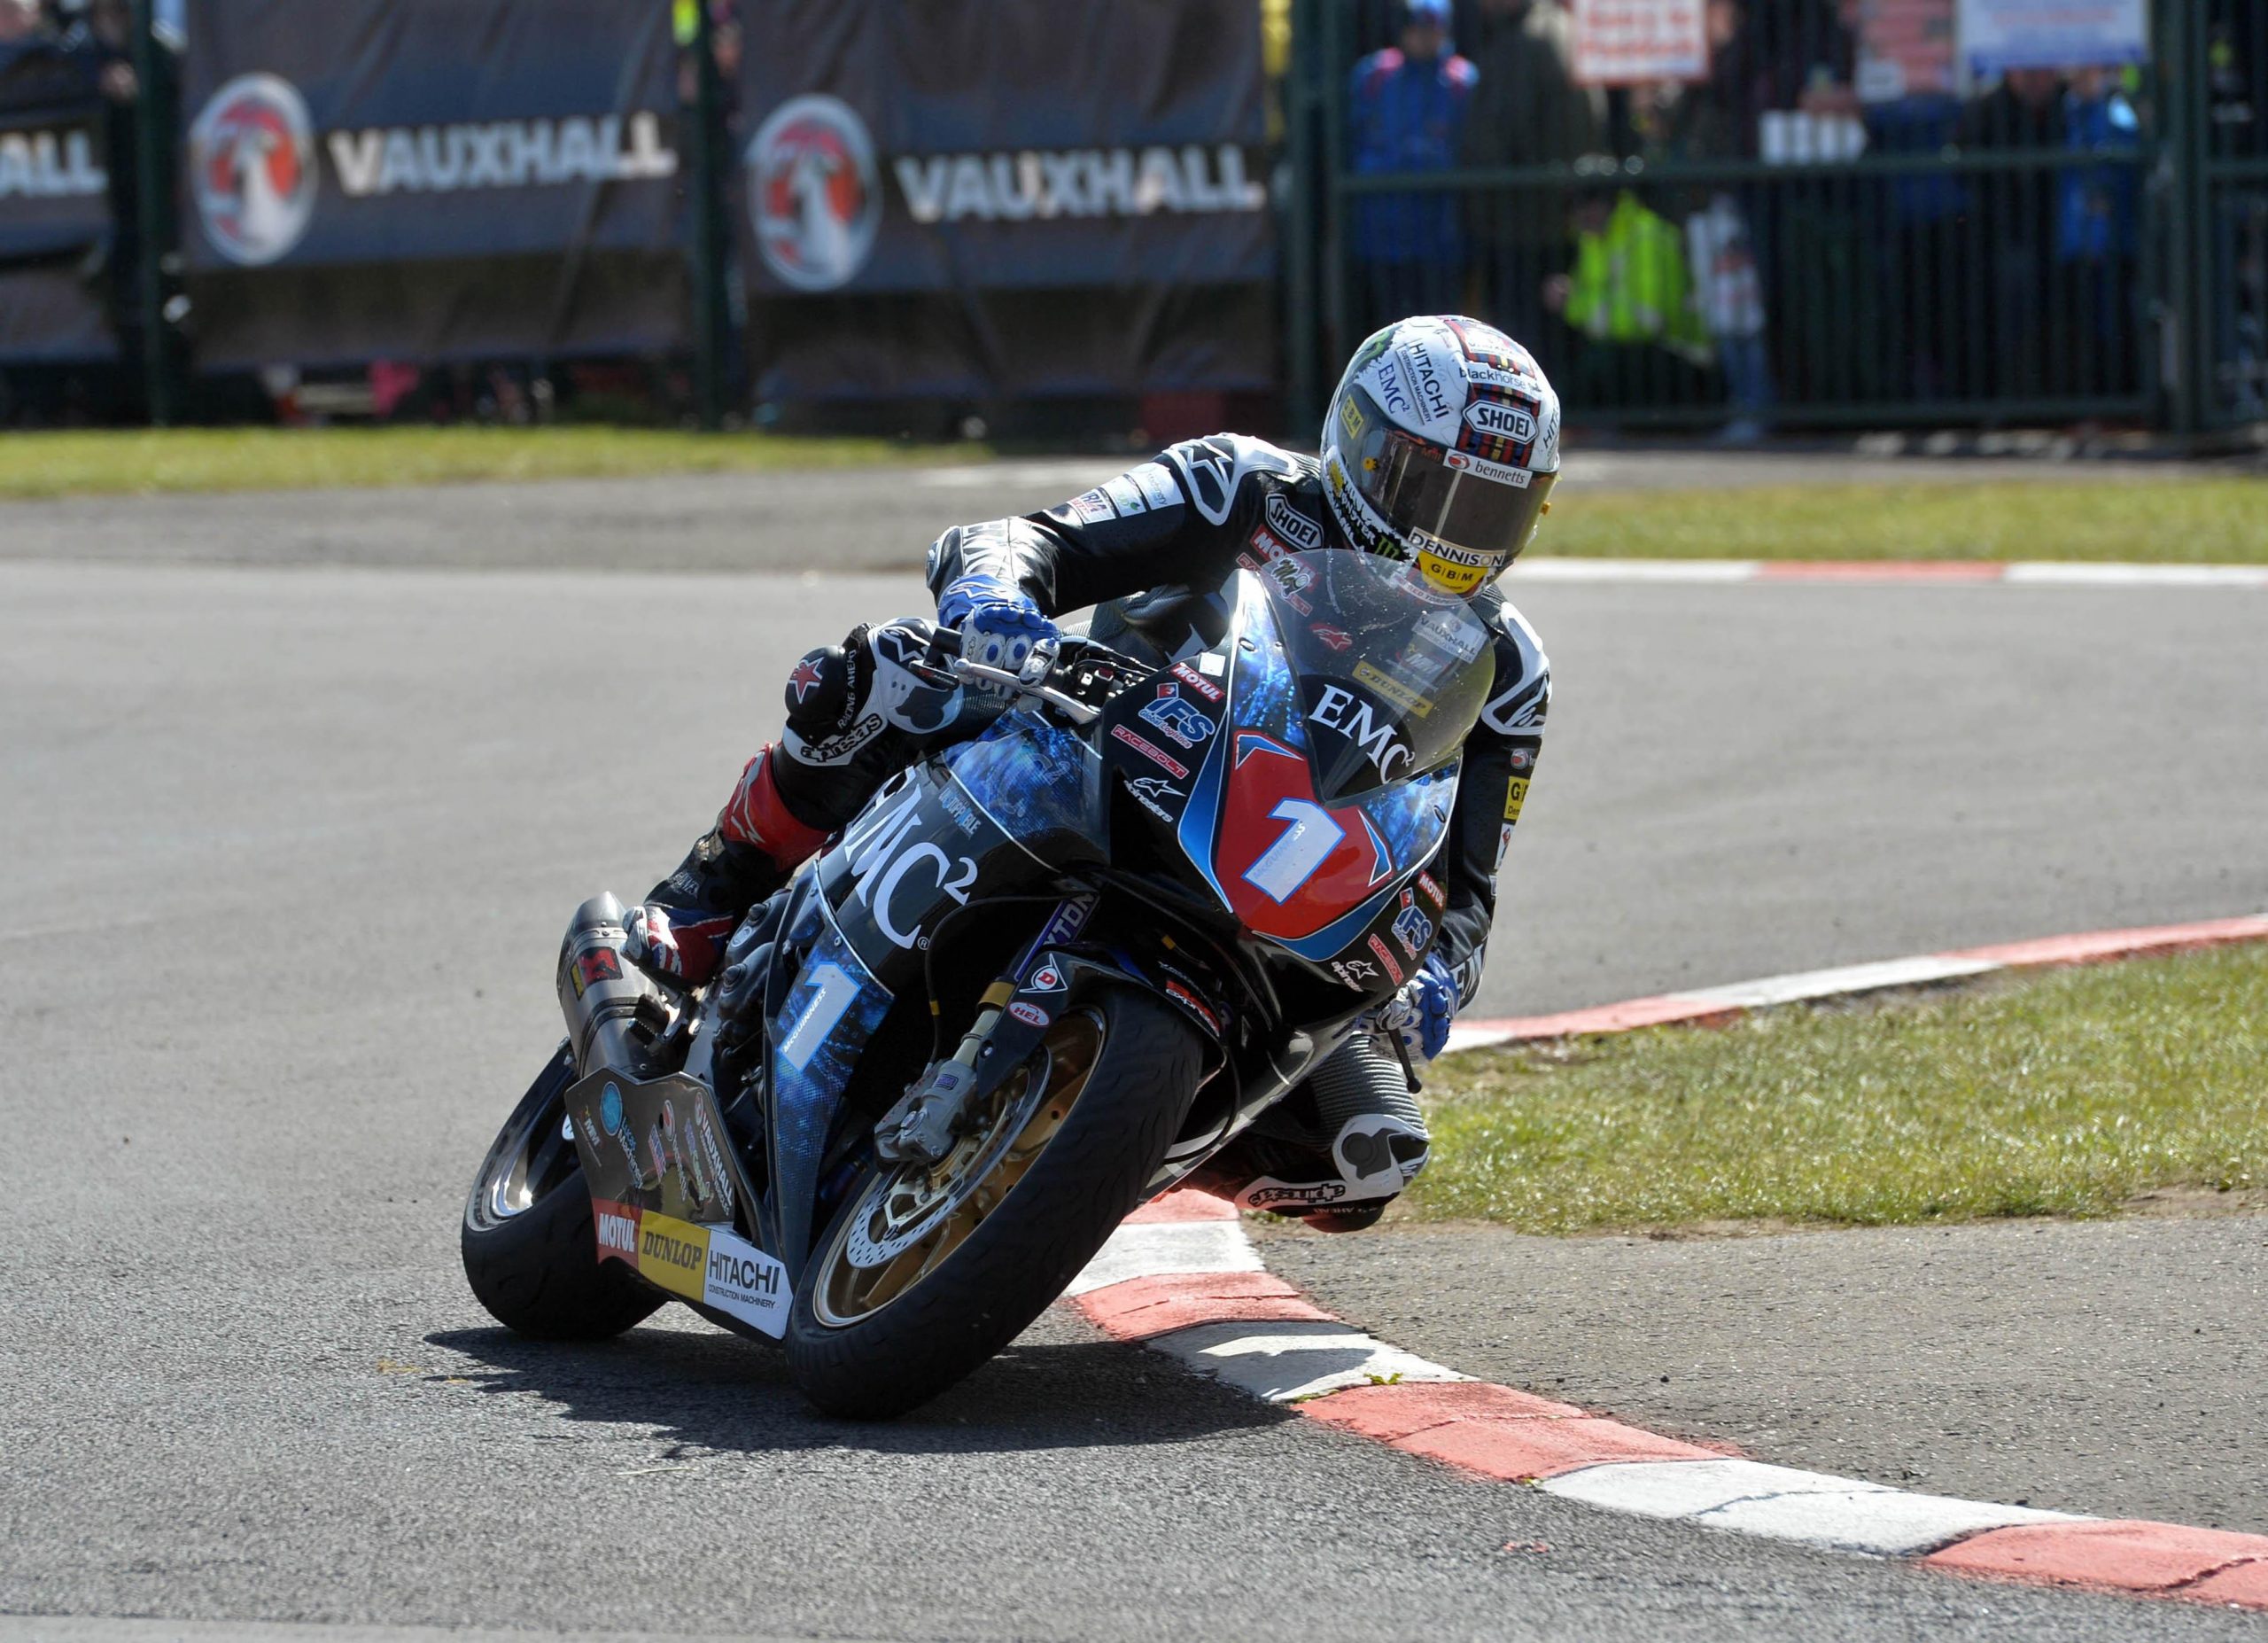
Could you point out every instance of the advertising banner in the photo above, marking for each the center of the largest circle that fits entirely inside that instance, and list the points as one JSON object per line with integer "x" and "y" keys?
{"x": 1033, "y": 143}
{"x": 2000, "y": 34}
{"x": 1620, "y": 43}
{"x": 54, "y": 229}
{"x": 430, "y": 177}
{"x": 1054, "y": 195}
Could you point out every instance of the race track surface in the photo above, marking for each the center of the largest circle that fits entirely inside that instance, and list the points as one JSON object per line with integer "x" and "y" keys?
{"x": 289, "y": 850}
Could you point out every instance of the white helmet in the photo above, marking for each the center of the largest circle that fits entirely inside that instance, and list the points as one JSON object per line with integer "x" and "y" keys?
{"x": 1441, "y": 445}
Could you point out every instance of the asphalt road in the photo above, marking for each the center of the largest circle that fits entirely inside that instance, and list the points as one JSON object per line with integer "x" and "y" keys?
{"x": 287, "y": 853}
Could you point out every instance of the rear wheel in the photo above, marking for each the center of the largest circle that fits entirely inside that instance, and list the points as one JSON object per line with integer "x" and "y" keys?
{"x": 529, "y": 1251}
{"x": 927, "y": 1272}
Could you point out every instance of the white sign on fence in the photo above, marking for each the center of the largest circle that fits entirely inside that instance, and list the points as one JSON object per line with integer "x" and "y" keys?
{"x": 1620, "y": 43}
{"x": 2000, "y": 34}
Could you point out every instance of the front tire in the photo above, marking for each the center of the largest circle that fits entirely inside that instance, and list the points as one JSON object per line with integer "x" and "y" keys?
{"x": 530, "y": 1252}
{"x": 1121, "y": 1070}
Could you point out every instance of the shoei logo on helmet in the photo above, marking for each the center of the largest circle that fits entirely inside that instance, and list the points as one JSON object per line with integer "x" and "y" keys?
{"x": 1505, "y": 421}
{"x": 252, "y": 168}
{"x": 814, "y": 193}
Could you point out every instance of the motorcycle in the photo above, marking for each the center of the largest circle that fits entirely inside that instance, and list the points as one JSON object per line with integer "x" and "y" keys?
{"x": 1042, "y": 977}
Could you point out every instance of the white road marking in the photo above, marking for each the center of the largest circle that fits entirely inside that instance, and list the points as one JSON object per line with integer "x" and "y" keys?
{"x": 1151, "y": 1249}
{"x": 1821, "y": 984}
{"x": 1281, "y": 1363}
{"x": 2046, "y": 573}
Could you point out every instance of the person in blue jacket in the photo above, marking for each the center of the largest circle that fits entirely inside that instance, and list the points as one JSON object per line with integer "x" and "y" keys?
{"x": 1406, "y": 108}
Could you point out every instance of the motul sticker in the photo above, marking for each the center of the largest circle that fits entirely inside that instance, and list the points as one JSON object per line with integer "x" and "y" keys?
{"x": 616, "y": 1225}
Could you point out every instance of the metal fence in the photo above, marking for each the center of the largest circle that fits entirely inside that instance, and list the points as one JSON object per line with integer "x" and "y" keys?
{"x": 1830, "y": 224}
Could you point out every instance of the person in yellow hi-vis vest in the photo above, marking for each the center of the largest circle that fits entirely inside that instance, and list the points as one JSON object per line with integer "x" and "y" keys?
{"x": 1630, "y": 291}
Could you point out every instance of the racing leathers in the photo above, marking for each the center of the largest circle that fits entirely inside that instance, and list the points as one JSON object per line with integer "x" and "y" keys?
{"x": 1149, "y": 549}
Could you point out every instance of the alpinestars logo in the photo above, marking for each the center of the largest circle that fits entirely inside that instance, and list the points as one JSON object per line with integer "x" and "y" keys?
{"x": 814, "y": 193}
{"x": 252, "y": 168}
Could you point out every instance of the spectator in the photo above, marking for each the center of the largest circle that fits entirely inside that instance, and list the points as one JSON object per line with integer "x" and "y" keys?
{"x": 2012, "y": 227}
{"x": 1527, "y": 111}
{"x": 2096, "y": 243}
{"x": 1631, "y": 298}
{"x": 1407, "y": 108}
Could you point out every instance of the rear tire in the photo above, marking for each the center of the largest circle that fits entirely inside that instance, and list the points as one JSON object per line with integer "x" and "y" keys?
{"x": 530, "y": 1251}
{"x": 1086, "y": 1177}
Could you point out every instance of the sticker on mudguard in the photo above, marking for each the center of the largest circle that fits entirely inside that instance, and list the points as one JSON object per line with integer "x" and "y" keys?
{"x": 745, "y": 1281}
{"x": 711, "y": 1265}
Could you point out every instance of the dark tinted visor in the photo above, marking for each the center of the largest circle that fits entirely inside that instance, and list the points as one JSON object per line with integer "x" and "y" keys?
{"x": 1418, "y": 492}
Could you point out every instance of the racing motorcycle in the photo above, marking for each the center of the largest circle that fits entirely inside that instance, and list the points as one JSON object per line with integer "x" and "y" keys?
{"x": 1042, "y": 977}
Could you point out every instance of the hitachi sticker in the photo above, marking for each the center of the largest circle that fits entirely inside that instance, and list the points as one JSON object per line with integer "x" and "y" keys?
{"x": 742, "y": 1280}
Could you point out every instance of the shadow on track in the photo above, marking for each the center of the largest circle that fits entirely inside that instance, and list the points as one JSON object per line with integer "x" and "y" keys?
{"x": 719, "y": 1392}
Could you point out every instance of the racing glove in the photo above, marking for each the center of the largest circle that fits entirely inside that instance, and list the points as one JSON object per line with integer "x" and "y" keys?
{"x": 999, "y": 622}
{"x": 653, "y": 943}
{"x": 1420, "y": 1013}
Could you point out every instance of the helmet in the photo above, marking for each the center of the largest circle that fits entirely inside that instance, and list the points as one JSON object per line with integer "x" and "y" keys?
{"x": 1441, "y": 445}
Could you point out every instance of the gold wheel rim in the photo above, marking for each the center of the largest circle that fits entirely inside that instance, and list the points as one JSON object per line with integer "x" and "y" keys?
{"x": 847, "y": 1293}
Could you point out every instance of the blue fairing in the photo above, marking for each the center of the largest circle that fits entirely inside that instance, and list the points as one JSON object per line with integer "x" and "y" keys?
{"x": 832, "y": 1009}
{"x": 1031, "y": 775}
{"x": 1407, "y": 821}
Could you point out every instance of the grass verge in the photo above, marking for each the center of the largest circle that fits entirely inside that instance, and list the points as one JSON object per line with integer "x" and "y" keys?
{"x": 2162, "y": 521}
{"x": 34, "y": 465}
{"x": 2066, "y": 1093}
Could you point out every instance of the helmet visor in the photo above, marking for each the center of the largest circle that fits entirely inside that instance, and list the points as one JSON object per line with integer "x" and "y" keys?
{"x": 1463, "y": 527}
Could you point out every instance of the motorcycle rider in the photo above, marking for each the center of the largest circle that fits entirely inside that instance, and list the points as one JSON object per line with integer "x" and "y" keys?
{"x": 1440, "y": 447}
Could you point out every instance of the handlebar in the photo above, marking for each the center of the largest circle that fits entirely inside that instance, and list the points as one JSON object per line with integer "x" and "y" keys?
{"x": 946, "y": 667}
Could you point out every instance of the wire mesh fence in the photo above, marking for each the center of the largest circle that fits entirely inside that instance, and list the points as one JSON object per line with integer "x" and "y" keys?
{"x": 1745, "y": 213}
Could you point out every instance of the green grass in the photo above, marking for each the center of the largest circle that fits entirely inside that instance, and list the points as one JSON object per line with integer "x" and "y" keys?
{"x": 2069, "y": 1093}
{"x": 2169, "y": 520}
{"x": 247, "y": 459}
{"x": 2176, "y": 520}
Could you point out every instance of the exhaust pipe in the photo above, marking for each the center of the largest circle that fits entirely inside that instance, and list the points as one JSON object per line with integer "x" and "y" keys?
{"x": 601, "y": 992}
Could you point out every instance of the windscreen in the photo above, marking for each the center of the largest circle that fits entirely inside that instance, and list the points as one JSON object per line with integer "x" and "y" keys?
{"x": 1391, "y": 673}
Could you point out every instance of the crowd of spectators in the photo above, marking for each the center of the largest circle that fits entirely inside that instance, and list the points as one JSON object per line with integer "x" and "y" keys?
{"x": 1692, "y": 243}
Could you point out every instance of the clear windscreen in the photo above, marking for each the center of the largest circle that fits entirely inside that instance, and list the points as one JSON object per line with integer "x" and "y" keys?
{"x": 1391, "y": 671}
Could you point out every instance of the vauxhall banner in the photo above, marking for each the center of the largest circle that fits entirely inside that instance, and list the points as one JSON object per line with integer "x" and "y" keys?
{"x": 1024, "y": 196}
{"x": 55, "y": 228}
{"x": 429, "y": 178}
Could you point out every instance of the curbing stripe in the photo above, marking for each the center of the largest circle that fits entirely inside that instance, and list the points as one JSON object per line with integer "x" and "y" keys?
{"x": 1252, "y": 1332}
{"x": 1713, "y": 1006}
{"x": 1940, "y": 572}
{"x": 1290, "y": 1361}
{"x": 1181, "y": 1277}
{"x": 2124, "y": 1555}
{"x": 1150, "y": 1249}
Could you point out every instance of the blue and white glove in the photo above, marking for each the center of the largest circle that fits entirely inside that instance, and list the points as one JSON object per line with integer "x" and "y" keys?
{"x": 999, "y": 623}
{"x": 1420, "y": 1013}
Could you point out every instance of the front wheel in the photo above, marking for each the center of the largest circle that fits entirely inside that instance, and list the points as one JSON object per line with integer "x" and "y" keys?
{"x": 530, "y": 1250}
{"x": 929, "y": 1271}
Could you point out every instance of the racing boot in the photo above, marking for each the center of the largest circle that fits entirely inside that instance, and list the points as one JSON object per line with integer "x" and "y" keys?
{"x": 1334, "y": 1152}
{"x": 757, "y": 844}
